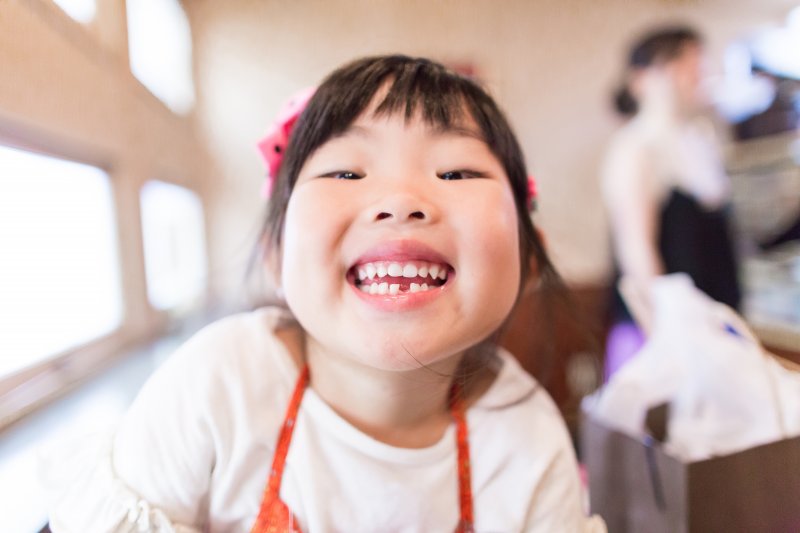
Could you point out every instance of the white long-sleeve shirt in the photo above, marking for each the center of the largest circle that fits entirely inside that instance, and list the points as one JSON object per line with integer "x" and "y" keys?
{"x": 193, "y": 454}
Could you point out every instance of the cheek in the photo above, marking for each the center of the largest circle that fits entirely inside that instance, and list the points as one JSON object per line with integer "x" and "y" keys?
{"x": 310, "y": 238}
{"x": 297, "y": 234}
{"x": 494, "y": 232}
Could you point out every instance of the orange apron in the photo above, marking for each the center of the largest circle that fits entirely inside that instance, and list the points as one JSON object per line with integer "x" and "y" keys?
{"x": 276, "y": 517}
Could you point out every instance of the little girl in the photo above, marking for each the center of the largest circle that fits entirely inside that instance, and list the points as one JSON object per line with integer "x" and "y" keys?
{"x": 399, "y": 234}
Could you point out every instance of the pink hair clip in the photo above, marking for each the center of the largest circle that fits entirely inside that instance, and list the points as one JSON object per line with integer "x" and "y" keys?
{"x": 274, "y": 143}
{"x": 532, "y": 193}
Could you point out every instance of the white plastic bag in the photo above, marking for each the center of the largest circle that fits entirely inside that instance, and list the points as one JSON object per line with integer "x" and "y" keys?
{"x": 725, "y": 393}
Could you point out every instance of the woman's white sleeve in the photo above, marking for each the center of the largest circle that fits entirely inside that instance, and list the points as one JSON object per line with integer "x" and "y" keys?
{"x": 632, "y": 195}
{"x": 153, "y": 472}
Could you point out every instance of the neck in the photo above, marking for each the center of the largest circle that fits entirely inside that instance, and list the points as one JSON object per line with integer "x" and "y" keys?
{"x": 401, "y": 408}
{"x": 666, "y": 112}
{"x": 659, "y": 112}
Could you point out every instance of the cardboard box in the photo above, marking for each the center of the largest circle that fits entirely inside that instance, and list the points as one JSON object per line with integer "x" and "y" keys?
{"x": 637, "y": 487}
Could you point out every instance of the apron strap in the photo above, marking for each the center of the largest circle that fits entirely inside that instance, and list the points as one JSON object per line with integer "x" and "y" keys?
{"x": 274, "y": 516}
{"x": 273, "y": 511}
{"x": 466, "y": 519}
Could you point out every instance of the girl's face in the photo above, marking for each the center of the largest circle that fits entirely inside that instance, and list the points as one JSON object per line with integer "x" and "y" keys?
{"x": 400, "y": 244}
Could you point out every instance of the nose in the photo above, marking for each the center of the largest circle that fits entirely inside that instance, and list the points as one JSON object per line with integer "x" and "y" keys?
{"x": 402, "y": 208}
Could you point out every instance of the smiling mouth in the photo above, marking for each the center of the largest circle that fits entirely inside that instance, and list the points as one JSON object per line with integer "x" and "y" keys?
{"x": 399, "y": 277}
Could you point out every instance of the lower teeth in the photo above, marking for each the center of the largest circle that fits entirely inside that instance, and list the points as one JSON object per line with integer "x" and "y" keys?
{"x": 394, "y": 288}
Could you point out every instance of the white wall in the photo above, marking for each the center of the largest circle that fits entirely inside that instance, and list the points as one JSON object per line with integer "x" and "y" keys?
{"x": 552, "y": 65}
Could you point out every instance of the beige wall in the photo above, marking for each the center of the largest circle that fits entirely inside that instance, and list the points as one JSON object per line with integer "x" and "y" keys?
{"x": 550, "y": 63}
{"x": 66, "y": 90}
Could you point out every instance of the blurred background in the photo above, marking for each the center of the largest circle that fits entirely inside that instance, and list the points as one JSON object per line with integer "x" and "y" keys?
{"x": 129, "y": 177}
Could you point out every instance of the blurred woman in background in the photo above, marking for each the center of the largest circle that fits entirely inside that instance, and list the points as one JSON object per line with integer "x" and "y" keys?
{"x": 664, "y": 185}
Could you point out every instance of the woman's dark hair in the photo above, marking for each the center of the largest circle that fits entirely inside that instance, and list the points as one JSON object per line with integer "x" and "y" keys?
{"x": 655, "y": 48}
{"x": 415, "y": 86}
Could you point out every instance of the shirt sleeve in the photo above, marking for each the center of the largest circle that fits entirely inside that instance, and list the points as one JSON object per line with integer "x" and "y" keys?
{"x": 557, "y": 503}
{"x": 83, "y": 493}
{"x": 154, "y": 471}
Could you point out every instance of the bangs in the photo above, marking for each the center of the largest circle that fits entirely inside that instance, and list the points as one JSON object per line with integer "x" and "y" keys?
{"x": 391, "y": 85}
{"x": 440, "y": 103}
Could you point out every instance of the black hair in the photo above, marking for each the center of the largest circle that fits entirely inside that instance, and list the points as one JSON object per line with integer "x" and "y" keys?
{"x": 654, "y": 48}
{"x": 415, "y": 86}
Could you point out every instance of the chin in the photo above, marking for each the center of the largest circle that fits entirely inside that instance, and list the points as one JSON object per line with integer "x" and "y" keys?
{"x": 412, "y": 353}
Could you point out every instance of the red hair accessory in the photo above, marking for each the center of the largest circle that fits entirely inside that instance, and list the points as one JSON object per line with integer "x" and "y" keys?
{"x": 274, "y": 143}
{"x": 532, "y": 193}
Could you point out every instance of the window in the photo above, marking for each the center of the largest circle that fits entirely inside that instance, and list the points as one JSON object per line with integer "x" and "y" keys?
{"x": 761, "y": 89}
{"x": 59, "y": 268}
{"x": 160, "y": 45}
{"x": 775, "y": 49}
{"x": 81, "y": 10}
{"x": 174, "y": 246}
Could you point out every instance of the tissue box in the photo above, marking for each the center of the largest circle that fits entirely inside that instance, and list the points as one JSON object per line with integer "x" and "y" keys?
{"x": 637, "y": 487}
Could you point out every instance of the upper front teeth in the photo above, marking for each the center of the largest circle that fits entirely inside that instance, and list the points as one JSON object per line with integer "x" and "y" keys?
{"x": 404, "y": 270}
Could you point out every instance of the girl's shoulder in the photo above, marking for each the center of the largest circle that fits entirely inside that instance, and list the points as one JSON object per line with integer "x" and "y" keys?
{"x": 516, "y": 426}
{"x": 511, "y": 385}
{"x": 516, "y": 399}
{"x": 240, "y": 349}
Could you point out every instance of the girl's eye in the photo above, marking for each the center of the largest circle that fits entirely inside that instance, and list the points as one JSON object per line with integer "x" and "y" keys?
{"x": 460, "y": 175}
{"x": 343, "y": 175}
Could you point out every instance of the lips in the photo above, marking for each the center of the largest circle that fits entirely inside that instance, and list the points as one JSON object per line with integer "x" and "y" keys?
{"x": 400, "y": 268}
{"x": 393, "y": 277}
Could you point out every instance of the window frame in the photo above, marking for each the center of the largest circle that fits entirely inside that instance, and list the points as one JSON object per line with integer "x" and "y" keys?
{"x": 23, "y": 391}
